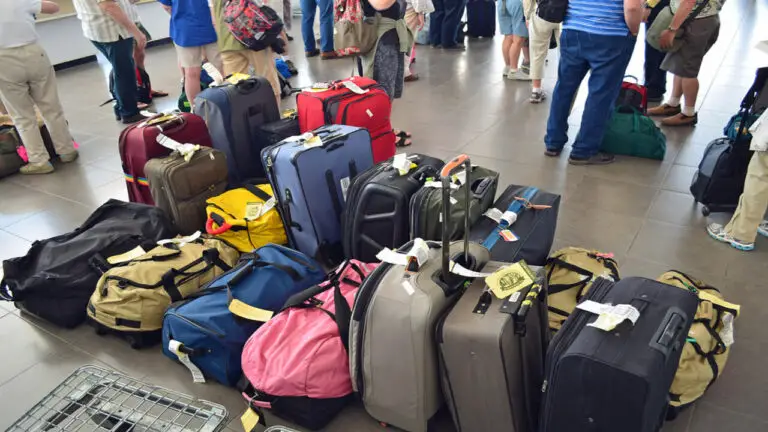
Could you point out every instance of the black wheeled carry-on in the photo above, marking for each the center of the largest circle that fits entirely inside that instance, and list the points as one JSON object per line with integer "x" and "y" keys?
{"x": 619, "y": 379}
{"x": 481, "y": 18}
{"x": 376, "y": 215}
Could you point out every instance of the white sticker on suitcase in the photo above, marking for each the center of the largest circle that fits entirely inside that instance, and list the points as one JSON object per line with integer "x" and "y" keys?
{"x": 174, "y": 346}
{"x": 437, "y": 185}
{"x": 344, "y": 187}
{"x": 609, "y": 316}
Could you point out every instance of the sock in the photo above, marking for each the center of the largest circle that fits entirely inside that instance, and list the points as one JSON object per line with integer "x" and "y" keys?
{"x": 506, "y": 70}
{"x": 689, "y": 111}
{"x": 673, "y": 101}
{"x": 537, "y": 89}
{"x": 512, "y": 71}
{"x": 286, "y": 57}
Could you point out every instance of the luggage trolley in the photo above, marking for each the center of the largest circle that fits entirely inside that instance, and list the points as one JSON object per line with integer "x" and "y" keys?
{"x": 93, "y": 399}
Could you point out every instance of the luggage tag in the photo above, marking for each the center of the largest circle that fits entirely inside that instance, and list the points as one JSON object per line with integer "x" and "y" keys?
{"x": 510, "y": 280}
{"x": 609, "y": 316}
{"x": 460, "y": 270}
{"x": 249, "y": 420}
{"x": 430, "y": 182}
{"x": 402, "y": 164}
{"x": 181, "y": 241}
{"x": 412, "y": 260}
{"x": 726, "y": 333}
{"x": 255, "y": 210}
{"x": 185, "y": 150}
{"x": 507, "y": 218}
{"x": 174, "y": 346}
{"x": 127, "y": 256}
{"x": 354, "y": 88}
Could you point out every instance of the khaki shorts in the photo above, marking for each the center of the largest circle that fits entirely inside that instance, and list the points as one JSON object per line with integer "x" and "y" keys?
{"x": 699, "y": 37}
{"x": 190, "y": 57}
{"x": 262, "y": 62}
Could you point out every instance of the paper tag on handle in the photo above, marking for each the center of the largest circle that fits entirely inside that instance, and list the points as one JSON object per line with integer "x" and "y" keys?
{"x": 460, "y": 270}
{"x": 438, "y": 185}
{"x": 130, "y": 255}
{"x": 493, "y": 214}
{"x": 412, "y": 260}
{"x": 726, "y": 334}
{"x": 181, "y": 241}
{"x": 354, "y": 88}
{"x": 174, "y": 346}
{"x": 610, "y": 316}
{"x": 508, "y": 280}
{"x": 249, "y": 420}
{"x": 401, "y": 163}
{"x": 249, "y": 312}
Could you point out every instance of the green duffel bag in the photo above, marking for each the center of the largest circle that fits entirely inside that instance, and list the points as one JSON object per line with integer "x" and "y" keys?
{"x": 631, "y": 133}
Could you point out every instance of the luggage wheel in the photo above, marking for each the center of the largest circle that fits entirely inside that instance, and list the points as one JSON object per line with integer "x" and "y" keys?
{"x": 101, "y": 331}
{"x": 136, "y": 343}
{"x": 705, "y": 211}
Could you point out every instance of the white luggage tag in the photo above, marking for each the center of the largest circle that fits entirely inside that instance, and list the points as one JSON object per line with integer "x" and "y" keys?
{"x": 609, "y": 316}
{"x": 402, "y": 164}
{"x": 507, "y": 218}
{"x": 460, "y": 270}
{"x": 255, "y": 210}
{"x": 185, "y": 150}
{"x": 354, "y": 88}
{"x": 174, "y": 346}
{"x": 431, "y": 183}
{"x": 181, "y": 241}
{"x": 412, "y": 260}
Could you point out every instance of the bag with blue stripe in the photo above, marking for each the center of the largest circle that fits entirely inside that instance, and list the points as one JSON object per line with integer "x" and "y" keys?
{"x": 519, "y": 226}
{"x": 207, "y": 331}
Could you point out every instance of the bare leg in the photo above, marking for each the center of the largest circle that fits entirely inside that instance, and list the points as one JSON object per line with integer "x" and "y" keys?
{"x": 526, "y": 52}
{"x": 514, "y": 52}
{"x": 505, "y": 46}
{"x": 192, "y": 83}
{"x": 677, "y": 87}
{"x": 690, "y": 92}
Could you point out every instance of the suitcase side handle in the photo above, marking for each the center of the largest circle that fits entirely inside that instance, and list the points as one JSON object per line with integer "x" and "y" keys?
{"x": 666, "y": 339}
{"x": 445, "y": 177}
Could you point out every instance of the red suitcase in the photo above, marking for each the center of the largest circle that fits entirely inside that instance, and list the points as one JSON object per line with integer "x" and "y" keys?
{"x": 138, "y": 144}
{"x": 339, "y": 104}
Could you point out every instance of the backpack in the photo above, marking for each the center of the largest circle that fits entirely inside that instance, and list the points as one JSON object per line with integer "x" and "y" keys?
{"x": 552, "y": 10}
{"x": 706, "y": 348}
{"x": 570, "y": 274}
{"x": 297, "y": 363}
{"x": 633, "y": 95}
{"x": 183, "y": 102}
{"x": 246, "y": 218}
{"x": 255, "y": 26}
{"x": 631, "y": 133}
{"x": 131, "y": 297}
{"x": 143, "y": 86}
{"x": 353, "y": 32}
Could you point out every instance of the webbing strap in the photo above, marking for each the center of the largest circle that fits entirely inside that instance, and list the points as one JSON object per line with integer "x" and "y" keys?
{"x": 515, "y": 207}
{"x": 257, "y": 192}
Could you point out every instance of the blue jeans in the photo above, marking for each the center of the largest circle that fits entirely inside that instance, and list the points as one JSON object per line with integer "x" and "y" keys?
{"x": 308, "y": 9}
{"x": 120, "y": 56}
{"x": 606, "y": 57}
{"x": 444, "y": 22}
{"x": 655, "y": 77}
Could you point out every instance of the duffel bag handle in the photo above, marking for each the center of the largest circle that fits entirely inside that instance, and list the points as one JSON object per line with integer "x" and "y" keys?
{"x": 218, "y": 220}
{"x": 5, "y": 292}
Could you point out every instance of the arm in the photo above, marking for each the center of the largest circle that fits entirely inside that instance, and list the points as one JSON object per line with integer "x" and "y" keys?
{"x": 213, "y": 14}
{"x": 667, "y": 38}
{"x": 111, "y": 8}
{"x": 49, "y": 7}
{"x": 529, "y": 6}
{"x": 633, "y": 15}
{"x": 381, "y": 5}
{"x": 423, "y": 6}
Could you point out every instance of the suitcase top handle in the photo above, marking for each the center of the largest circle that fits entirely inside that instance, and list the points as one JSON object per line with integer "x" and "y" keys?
{"x": 445, "y": 177}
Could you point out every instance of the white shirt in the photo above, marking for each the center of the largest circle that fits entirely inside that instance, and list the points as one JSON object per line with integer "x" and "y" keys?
{"x": 17, "y": 22}
{"x": 131, "y": 10}
{"x": 97, "y": 25}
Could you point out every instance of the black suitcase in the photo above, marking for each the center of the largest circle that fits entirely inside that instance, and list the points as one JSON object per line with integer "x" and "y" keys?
{"x": 377, "y": 211}
{"x": 534, "y": 228}
{"x": 481, "y": 18}
{"x": 617, "y": 380}
{"x": 273, "y": 133}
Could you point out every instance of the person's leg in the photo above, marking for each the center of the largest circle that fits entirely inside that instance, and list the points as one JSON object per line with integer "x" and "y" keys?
{"x": 192, "y": 83}
{"x": 45, "y": 93}
{"x": 655, "y": 77}
{"x": 287, "y": 15}
{"x": 451, "y": 23}
{"x": 308, "y": 10}
{"x": 191, "y": 60}
{"x": 571, "y": 72}
{"x": 506, "y": 44}
{"x": 514, "y": 52}
{"x": 436, "y": 19}
{"x": 263, "y": 65}
{"x": 120, "y": 56}
{"x": 540, "y": 33}
{"x": 608, "y": 57}
{"x": 212, "y": 54}
{"x": 690, "y": 93}
{"x": 326, "y": 25}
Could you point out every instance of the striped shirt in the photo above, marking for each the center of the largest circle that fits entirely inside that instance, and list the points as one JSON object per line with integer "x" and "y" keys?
{"x": 603, "y": 17}
{"x": 97, "y": 25}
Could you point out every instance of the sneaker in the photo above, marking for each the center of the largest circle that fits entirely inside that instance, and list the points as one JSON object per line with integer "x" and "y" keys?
{"x": 41, "y": 168}
{"x": 717, "y": 232}
{"x": 526, "y": 67}
{"x": 599, "y": 159}
{"x": 505, "y": 72}
{"x": 537, "y": 96}
{"x": 762, "y": 229}
{"x": 69, "y": 157}
{"x": 134, "y": 119}
{"x": 681, "y": 120}
{"x": 518, "y": 75}
{"x": 552, "y": 153}
{"x": 664, "y": 110}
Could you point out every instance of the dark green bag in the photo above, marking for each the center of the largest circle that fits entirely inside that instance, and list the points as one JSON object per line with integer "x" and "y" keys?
{"x": 631, "y": 133}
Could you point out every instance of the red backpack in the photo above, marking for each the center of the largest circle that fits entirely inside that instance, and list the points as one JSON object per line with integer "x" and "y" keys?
{"x": 633, "y": 95}
{"x": 255, "y": 26}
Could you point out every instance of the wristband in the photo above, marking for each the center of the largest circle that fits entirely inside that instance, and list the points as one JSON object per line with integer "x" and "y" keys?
{"x": 673, "y": 30}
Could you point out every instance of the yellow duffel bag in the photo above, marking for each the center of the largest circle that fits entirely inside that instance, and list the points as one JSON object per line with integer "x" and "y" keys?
{"x": 707, "y": 346}
{"x": 246, "y": 217}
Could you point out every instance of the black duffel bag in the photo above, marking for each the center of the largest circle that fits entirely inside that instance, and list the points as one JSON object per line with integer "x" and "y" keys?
{"x": 55, "y": 279}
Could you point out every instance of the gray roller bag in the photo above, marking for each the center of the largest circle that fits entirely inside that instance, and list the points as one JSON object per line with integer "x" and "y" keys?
{"x": 393, "y": 356}
{"x": 181, "y": 188}
{"x": 492, "y": 357}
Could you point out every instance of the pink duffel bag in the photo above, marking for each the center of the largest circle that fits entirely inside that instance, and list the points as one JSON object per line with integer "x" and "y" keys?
{"x": 297, "y": 362}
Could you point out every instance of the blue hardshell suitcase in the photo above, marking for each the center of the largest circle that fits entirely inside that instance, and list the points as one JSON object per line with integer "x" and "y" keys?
{"x": 234, "y": 114}
{"x": 311, "y": 179}
{"x": 211, "y": 334}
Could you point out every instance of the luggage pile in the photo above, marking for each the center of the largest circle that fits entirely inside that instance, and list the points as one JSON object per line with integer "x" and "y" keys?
{"x": 402, "y": 281}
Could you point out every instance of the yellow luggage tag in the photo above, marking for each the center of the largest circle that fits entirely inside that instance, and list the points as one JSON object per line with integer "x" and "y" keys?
{"x": 249, "y": 419}
{"x": 508, "y": 280}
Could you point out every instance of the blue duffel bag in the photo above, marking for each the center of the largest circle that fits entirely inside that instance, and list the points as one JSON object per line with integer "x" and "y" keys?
{"x": 207, "y": 332}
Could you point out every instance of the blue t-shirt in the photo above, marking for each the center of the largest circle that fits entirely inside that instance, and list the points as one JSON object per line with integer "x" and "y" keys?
{"x": 604, "y": 17}
{"x": 191, "y": 22}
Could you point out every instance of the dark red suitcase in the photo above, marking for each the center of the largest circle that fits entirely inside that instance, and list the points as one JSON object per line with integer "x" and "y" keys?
{"x": 340, "y": 105}
{"x": 138, "y": 144}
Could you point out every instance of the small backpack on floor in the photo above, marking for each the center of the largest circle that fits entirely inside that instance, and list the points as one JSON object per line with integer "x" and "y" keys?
{"x": 707, "y": 346}
{"x": 633, "y": 95}
{"x": 570, "y": 273}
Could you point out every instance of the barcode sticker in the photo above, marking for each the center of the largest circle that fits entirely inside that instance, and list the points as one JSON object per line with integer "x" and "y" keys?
{"x": 370, "y": 114}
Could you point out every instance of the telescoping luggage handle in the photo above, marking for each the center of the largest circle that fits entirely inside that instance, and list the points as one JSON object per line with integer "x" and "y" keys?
{"x": 445, "y": 177}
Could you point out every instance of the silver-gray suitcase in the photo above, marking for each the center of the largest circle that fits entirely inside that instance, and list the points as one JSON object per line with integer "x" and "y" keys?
{"x": 492, "y": 357}
{"x": 392, "y": 352}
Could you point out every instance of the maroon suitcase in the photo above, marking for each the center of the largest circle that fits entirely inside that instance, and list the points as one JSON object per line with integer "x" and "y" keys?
{"x": 138, "y": 144}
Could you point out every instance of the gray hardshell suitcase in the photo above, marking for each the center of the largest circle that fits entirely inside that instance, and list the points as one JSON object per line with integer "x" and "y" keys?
{"x": 181, "y": 188}
{"x": 393, "y": 356}
{"x": 492, "y": 357}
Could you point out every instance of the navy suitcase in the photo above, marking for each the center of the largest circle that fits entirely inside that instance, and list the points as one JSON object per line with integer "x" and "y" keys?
{"x": 204, "y": 328}
{"x": 617, "y": 380}
{"x": 311, "y": 179}
{"x": 234, "y": 114}
{"x": 481, "y": 18}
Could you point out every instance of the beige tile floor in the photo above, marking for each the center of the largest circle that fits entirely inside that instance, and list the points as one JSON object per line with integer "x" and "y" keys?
{"x": 638, "y": 209}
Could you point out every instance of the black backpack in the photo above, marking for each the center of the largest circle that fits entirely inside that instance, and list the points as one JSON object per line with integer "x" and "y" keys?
{"x": 143, "y": 86}
{"x": 552, "y": 10}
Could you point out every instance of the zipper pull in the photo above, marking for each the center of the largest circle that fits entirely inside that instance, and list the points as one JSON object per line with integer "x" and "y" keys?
{"x": 544, "y": 386}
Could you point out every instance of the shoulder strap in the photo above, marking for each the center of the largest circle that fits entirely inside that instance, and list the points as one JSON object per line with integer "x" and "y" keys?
{"x": 258, "y": 192}
{"x": 695, "y": 12}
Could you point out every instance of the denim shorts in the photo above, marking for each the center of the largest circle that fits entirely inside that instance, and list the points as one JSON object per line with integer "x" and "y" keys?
{"x": 512, "y": 18}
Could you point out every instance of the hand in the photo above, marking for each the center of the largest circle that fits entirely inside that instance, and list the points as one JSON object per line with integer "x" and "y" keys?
{"x": 421, "y": 21}
{"x": 646, "y": 14}
{"x": 141, "y": 41}
{"x": 667, "y": 39}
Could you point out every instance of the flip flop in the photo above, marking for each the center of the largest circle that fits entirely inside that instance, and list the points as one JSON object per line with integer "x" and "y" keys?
{"x": 142, "y": 106}
{"x": 159, "y": 93}
{"x": 403, "y": 142}
{"x": 403, "y": 134}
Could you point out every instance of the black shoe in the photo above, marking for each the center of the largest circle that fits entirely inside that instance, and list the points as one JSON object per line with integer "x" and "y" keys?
{"x": 599, "y": 159}
{"x": 134, "y": 119}
{"x": 314, "y": 53}
{"x": 436, "y": 46}
{"x": 290, "y": 38}
{"x": 457, "y": 47}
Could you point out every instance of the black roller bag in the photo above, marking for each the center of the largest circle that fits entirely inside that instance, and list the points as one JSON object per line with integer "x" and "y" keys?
{"x": 481, "y": 18}
{"x": 376, "y": 215}
{"x": 55, "y": 279}
{"x": 534, "y": 227}
{"x": 618, "y": 380}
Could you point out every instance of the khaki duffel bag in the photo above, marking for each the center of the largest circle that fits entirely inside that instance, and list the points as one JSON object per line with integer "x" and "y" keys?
{"x": 130, "y": 298}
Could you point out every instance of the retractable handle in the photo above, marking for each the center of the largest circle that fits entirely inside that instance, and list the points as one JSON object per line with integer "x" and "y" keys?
{"x": 445, "y": 177}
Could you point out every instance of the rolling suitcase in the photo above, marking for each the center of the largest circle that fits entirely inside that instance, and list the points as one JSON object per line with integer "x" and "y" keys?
{"x": 481, "y": 18}
{"x": 138, "y": 144}
{"x": 356, "y": 101}
{"x": 311, "y": 178}
{"x": 533, "y": 227}
{"x": 181, "y": 187}
{"x": 234, "y": 114}
{"x": 392, "y": 351}
{"x": 377, "y": 215}
{"x": 617, "y": 380}
{"x": 492, "y": 357}
{"x": 273, "y": 133}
